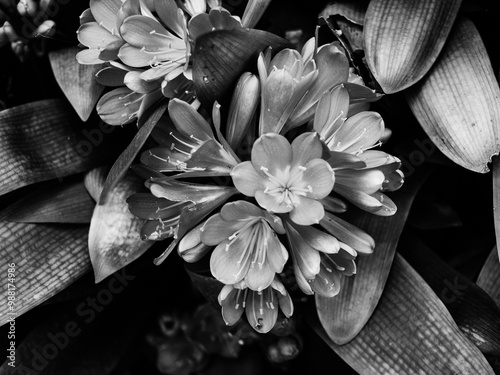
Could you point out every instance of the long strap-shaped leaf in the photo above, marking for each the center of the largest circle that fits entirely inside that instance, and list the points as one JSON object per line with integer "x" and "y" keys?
{"x": 47, "y": 259}
{"x": 120, "y": 167}
{"x": 489, "y": 277}
{"x": 458, "y": 101}
{"x": 77, "y": 81}
{"x": 410, "y": 332}
{"x": 344, "y": 315}
{"x": 496, "y": 197}
{"x": 40, "y": 141}
{"x": 68, "y": 202}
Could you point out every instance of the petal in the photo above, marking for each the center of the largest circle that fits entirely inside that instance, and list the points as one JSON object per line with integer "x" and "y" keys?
{"x": 348, "y": 233}
{"x": 393, "y": 181}
{"x": 289, "y": 60}
{"x": 221, "y": 19}
{"x": 359, "y": 198}
{"x": 92, "y": 35}
{"x": 189, "y": 122}
{"x": 104, "y": 12}
{"x": 168, "y": 12}
{"x": 318, "y": 239}
{"x": 261, "y": 315}
{"x": 180, "y": 191}
{"x": 232, "y": 308}
{"x": 136, "y": 84}
{"x": 367, "y": 181}
{"x": 259, "y": 278}
{"x": 359, "y": 132}
{"x": 345, "y": 266}
{"x": 333, "y": 204}
{"x": 247, "y": 180}
{"x": 230, "y": 264}
{"x": 142, "y": 31}
{"x": 331, "y": 111}
{"x": 119, "y": 107}
{"x": 240, "y": 210}
{"x": 217, "y": 230}
{"x": 304, "y": 256}
{"x": 89, "y": 57}
{"x": 306, "y": 147}
{"x": 272, "y": 151}
{"x": 147, "y": 206}
{"x": 111, "y": 76}
{"x": 344, "y": 160}
{"x": 388, "y": 208}
{"x": 319, "y": 177}
{"x": 211, "y": 156}
{"x": 307, "y": 212}
{"x": 286, "y": 304}
{"x": 271, "y": 202}
{"x": 327, "y": 282}
{"x": 277, "y": 92}
{"x": 277, "y": 255}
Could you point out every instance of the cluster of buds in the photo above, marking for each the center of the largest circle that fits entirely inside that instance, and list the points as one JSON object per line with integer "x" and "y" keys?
{"x": 25, "y": 24}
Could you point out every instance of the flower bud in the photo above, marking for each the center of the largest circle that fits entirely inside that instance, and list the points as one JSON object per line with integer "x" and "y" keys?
{"x": 191, "y": 249}
{"x": 253, "y": 12}
{"x": 47, "y": 28}
{"x": 242, "y": 109}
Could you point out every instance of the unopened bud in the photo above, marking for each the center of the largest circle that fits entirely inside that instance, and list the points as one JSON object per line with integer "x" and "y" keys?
{"x": 285, "y": 349}
{"x": 47, "y": 28}
{"x": 253, "y": 12}
{"x": 10, "y": 33}
{"x": 242, "y": 109}
{"x": 45, "y": 4}
{"x": 190, "y": 248}
{"x": 27, "y": 7}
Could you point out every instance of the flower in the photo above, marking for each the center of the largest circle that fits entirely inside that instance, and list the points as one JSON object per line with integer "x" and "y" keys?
{"x": 287, "y": 178}
{"x": 292, "y": 83}
{"x": 187, "y": 143}
{"x": 247, "y": 246}
{"x": 260, "y": 307}
{"x": 361, "y": 174}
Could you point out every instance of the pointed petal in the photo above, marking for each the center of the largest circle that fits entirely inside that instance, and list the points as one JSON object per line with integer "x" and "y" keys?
{"x": 111, "y": 76}
{"x": 272, "y": 151}
{"x": 318, "y": 239}
{"x": 180, "y": 192}
{"x": 367, "y": 181}
{"x": 277, "y": 92}
{"x": 259, "y": 278}
{"x": 240, "y": 210}
{"x": 94, "y": 36}
{"x": 136, "y": 84}
{"x": 119, "y": 107}
{"x": 104, "y": 12}
{"x": 146, "y": 32}
{"x": 348, "y": 233}
{"x": 217, "y": 230}
{"x": 320, "y": 177}
{"x": 247, "y": 180}
{"x": 307, "y": 212}
{"x": 331, "y": 111}
{"x": 147, "y": 206}
{"x": 230, "y": 264}
{"x": 271, "y": 202}
{"x": 327, "y": 282}
{"x": 333, "y": 204}
{"x": 211, "y": 157}
{"x": 89, "y": 57}
{"x": 232, "y": 308}
{"x": 345, "y": 160}
{"x": 261, "y": 316}
{"x": 360, "y": 131}
{"x": 304, "y": 256}
{"x": 168, "y": 12}
{"x": 359, "y": 198}
{"x": 189, "y": 122}
{"x": 277, "y": 255}
{"x": 306, "y": 147}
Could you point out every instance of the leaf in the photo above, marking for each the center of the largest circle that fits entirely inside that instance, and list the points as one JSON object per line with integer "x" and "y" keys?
{"x": 410, "y": 332}
{"x": 124, "y": 161}
{"x": 344, "y": 315}
{"x": 77, "y": 81}
{"x": 114, "y": 235}
{"x": 458, "y": 102}
{"x": 353, "y": 11}
{"x": 475, "y": 313}
{"x": 253, "y": 12}
{"x": 63, "y": 203}
{"x": 43, "y": 140}
{"x": 489, "y": 277}
{"x": 496, "y": 198}
{"x": 404, "y": 38}
{"x": 47, "y": 259}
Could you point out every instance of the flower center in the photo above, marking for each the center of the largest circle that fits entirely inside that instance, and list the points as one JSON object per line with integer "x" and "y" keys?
{"x": 287, "y": 189}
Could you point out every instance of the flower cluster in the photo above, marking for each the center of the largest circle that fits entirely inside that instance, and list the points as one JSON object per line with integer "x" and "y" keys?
{"x": 311, "y": 146}
{"x": 146, "y": 46}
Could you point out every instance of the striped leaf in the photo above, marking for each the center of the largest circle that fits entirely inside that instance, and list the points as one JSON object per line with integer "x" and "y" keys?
{"x": 404, "y": 38}
{"x": 410, "y": 332}
{"x": 43, "y": 140}
{"x": 458, "y": 102}
{"x": 489, "y": 277}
